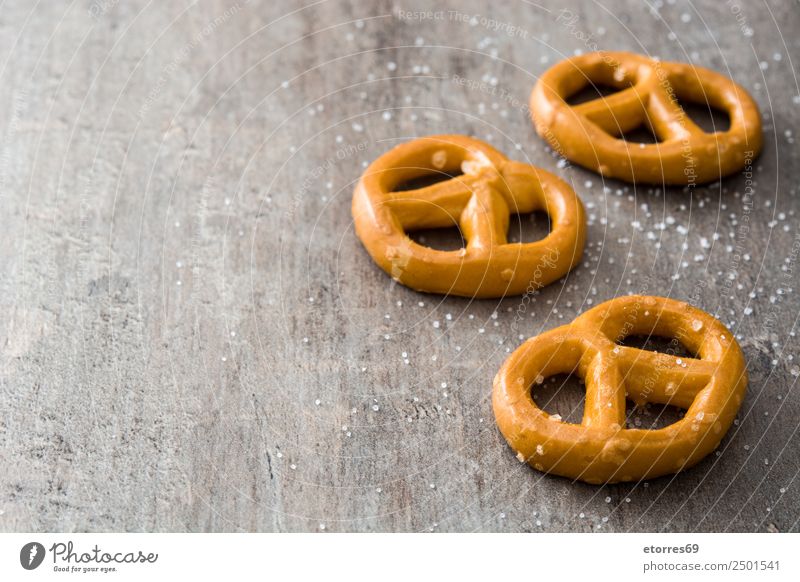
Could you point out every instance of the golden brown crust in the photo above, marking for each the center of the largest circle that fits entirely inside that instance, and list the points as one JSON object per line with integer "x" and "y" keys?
{"x": 588, "y": 134}
{"x": 601, "y": 450}
{"x": 480, "y": 201}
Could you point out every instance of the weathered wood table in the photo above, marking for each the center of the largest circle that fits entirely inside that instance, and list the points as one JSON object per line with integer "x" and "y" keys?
{"x": 193, "y": 339}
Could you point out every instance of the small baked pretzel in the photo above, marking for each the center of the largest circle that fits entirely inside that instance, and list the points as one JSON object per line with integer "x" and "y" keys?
{"x": 480, "y": 201}
{"x": 589, "y": 134}
{"x": 600, "y": 449}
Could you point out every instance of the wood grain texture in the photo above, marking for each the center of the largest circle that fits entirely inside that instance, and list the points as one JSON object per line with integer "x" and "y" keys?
{"x": 194, "y": 340}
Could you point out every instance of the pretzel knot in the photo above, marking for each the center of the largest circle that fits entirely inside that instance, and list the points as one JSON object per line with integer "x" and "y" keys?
{"x": 480, "y": 200}
{"x": 649, "y": 90}
{"x": 600, "y": 449}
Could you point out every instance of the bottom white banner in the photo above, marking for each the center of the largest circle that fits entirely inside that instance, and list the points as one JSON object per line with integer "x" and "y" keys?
{"x": 405, "y": 557}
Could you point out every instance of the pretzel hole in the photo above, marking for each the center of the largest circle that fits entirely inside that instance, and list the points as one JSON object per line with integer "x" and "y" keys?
{"x": 429, "y": 178}
{"x": 525, "y": 228}
{"x": 656, "y": 343}
{"x": 705, "y": 116}
{"x": 562, "y": 395}
{"x": 642, "y": 134}
{"x": 439, "y": 239}
{"x": 651, "y": 416}
{"x": 590, "y": 91}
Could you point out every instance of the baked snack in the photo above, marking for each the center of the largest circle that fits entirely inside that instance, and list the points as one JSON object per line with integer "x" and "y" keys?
{"x": 601, "y": 449}
{"x": 589, "y": 134}
{"x": 481, "y": 190}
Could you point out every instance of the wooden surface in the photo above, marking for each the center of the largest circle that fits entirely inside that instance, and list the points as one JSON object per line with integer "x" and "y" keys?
{"x": 194, "y": 340}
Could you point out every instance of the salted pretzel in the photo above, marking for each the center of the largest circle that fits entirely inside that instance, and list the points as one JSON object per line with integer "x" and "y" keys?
{"x": 589, "y": 134}
{"x": 479, "y": 200}
{"x": 601, "y": 449}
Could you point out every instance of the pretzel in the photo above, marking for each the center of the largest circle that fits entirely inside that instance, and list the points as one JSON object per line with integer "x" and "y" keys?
{"x": 589, "y": 134}
{"x": 480, "y": 201}
{"x": 601, "y": 449}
